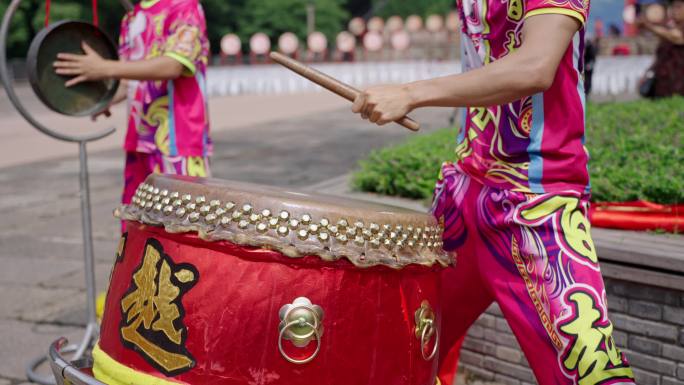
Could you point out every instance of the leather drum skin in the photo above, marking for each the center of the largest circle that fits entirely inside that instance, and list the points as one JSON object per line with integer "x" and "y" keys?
{"x": 228, "y": 283}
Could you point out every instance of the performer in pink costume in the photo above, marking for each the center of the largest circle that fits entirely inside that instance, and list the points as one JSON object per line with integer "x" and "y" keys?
{"x": 514, "y": 205}
{"x": 164, "y": 50}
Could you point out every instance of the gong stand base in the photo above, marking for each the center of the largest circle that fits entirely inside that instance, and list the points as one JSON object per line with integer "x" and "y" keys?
{"x": 92, "y": 327}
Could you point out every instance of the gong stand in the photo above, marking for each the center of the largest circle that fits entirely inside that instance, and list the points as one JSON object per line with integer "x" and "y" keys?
{"x": 92, "y": 327}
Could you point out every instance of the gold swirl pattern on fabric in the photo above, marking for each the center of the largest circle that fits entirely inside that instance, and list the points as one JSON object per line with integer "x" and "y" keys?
{"x": 158, "y": 116}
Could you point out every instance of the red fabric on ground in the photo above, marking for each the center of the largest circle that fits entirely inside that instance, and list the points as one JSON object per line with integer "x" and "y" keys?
{"x": 639, "y": 215}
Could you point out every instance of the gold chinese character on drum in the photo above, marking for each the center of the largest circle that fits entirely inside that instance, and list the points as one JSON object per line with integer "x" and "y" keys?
{"x": 152, "y": 312}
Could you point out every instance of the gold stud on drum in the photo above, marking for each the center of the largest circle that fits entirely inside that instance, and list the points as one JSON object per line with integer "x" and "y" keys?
{"x": 300, "y": 323}
{"x": 426, "y": 329}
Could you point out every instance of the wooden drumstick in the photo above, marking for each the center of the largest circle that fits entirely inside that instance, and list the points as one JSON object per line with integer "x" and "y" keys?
{"x": 326, "y": 81}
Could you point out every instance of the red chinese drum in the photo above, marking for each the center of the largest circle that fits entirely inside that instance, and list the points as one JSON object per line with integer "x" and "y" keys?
{"x": 229, "y": 283}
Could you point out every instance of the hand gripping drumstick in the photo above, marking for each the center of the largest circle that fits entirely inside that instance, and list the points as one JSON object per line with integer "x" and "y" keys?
{"x": 344, "y": 90}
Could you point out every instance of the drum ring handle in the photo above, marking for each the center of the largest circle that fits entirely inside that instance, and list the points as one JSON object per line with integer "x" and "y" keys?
{"x": 299, "y": 322}
{"x": 428, "y": 331}
{"x": 425, "y": 329}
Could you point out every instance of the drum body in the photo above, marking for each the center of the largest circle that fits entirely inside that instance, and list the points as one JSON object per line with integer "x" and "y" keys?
{"x": 248, "y": 300}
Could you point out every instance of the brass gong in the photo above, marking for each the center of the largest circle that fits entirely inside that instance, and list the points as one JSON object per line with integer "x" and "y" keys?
{"x": 66, "y": 36}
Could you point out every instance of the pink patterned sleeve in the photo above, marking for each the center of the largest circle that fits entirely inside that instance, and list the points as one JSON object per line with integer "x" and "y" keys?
{"x": 578, "y": 9}
{"x": 185, "y": 35}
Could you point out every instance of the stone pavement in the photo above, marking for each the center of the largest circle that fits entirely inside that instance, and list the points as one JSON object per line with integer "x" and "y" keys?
{"x": 42, "y": 294}
{"x": 20, "y": 143}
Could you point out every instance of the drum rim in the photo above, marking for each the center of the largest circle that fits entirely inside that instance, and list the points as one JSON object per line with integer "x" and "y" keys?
{"x": 394, "y": 239}
{"x": 32, "y": 67}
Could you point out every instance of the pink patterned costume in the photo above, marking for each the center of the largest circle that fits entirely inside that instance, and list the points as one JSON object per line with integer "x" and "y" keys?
{"x": 168, "y": 122}
{"x": 514, "y": 208}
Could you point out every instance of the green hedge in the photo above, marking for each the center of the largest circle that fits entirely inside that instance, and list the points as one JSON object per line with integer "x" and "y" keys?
{"x": 408, "y": 169}
{"x": 637, "y": 152}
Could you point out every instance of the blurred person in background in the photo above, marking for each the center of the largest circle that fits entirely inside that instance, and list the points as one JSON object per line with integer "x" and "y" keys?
{"x": 666, "y": 76}
{"x": 614, "y": 31}
{"x": 621, "y": 48}
{"x": 591, "y": 49}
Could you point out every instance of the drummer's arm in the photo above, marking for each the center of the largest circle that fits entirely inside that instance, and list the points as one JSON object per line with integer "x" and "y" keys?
{"x": 528, "y": 70}
{"x": 673, "y": 35}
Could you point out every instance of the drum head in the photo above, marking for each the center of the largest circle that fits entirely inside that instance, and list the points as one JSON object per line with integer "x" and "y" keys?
{"x": 295, "y": 223}
{"x": 66, "y": 36}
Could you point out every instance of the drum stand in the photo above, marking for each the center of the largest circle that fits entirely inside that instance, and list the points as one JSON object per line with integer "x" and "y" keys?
{"x": 92, "y": 327}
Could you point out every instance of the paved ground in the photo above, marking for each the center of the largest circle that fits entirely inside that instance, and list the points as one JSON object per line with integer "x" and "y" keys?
{"x": 41, "y": 284}
{"x": 20, "y": 143}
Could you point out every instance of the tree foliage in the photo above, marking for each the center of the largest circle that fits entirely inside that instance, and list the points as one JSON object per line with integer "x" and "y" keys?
{"x": 222, "y": 18}
{"x": 30, "y": 19}
{"x": 403, "y": 8}
{"x": 273, "y": 17}
{"x": 244, "y": 17}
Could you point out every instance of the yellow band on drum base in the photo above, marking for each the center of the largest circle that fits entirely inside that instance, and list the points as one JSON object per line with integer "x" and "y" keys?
{"x": 111, "y": 372}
